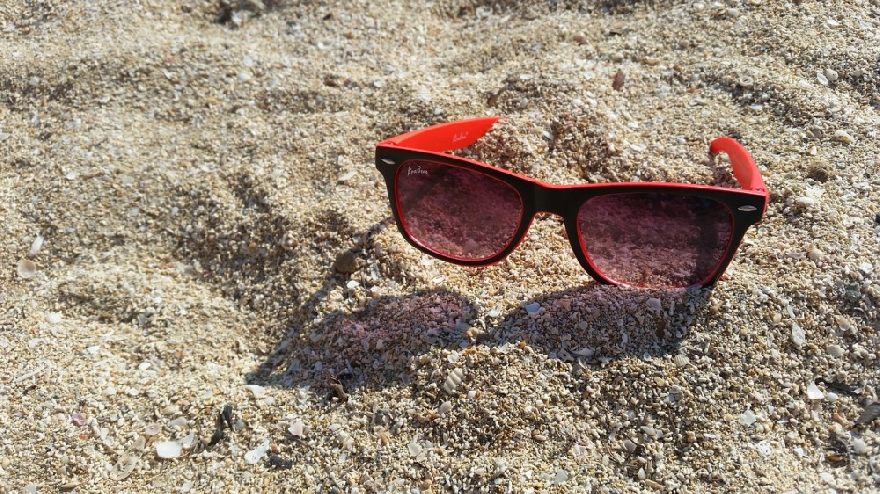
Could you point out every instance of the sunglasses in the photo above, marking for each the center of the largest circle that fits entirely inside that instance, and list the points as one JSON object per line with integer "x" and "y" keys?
{"x": 640, "y": 234}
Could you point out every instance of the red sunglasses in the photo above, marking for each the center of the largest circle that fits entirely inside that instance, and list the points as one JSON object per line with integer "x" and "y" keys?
{"x": 643, "y": 234}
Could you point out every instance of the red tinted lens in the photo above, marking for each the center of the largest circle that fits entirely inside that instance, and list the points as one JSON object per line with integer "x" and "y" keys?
{"x": 455, "y": 211}
{"x": 655, "y": 239}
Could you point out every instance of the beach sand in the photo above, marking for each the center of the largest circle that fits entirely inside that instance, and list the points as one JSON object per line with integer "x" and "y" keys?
{"x": 192, "y": 222}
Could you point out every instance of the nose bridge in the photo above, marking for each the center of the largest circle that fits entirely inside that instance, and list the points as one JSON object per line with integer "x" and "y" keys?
{"x": 551, "y": 200}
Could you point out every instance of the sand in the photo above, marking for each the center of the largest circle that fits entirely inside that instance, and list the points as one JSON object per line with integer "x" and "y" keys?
{"x": 192, "y": 223}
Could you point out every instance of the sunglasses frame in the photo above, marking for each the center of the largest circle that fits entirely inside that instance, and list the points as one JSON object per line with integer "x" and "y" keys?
{"x": 746, "y": 206}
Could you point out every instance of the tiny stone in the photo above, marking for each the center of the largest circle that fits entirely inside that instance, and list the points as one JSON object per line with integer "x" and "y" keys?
{"x": 78, "y": 419}
{"x": 747, "y": 418}
{"x": 805, "y": 201}
{"x": 346, "y": 262}
{"x": 152, "y": 429}
{"x": 188, "y": 440}
{"x": 831, "y": 75}
{"x": 834, "y": 350}
{"x": 30, "y": 489}
{"x": 619, "y": 80}
{"x": 561, "y": 477}
{"x": 53, "y": 317}
{"x": 414, "y": 448}
{"x": 681, "y": 359}
{"x": 827, "y": 478}
{"x": 257, "y": 390}
{"x": 168, "y": 449}
{"x": 177, "y": 423}
{"x": 445, "y": 407}
{"x": 27, "y": 269}
{"x": 814, "y": 393}
{"x": 654, "y": 304}
{"x": 798, "y": 335}
{"x": 629, "y": 446}
{"x": 821, "y": 78}
{"x": 533, "y": 308}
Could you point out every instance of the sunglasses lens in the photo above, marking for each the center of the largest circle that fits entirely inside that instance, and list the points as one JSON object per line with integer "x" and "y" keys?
{"x": 655, "y": 239}
{"x": 457, "y": 212}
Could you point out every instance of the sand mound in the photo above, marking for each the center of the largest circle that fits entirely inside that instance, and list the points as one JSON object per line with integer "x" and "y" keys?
{"x": 214, "y": 233}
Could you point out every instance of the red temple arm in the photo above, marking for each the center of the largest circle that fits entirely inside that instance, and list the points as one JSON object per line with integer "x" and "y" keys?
{"x": 446, "y": 136}
{"x": 744, "y": 168}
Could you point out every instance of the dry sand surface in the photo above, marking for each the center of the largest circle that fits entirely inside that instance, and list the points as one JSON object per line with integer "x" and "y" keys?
{"x": 191, "y": 219}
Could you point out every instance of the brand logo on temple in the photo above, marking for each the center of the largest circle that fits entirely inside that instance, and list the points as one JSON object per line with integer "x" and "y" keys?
{"x": 416, "y": 171}
{"x": 459, "y": 137}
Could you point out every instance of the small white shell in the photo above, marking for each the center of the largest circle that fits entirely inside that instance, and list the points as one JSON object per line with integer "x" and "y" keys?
{"x": 453, "y": 380}
{"x": 297, "y": 429}
{"x": 253, "y": 456}
{"x": 168, "y": 449}
{"x": 36, "y": 245}
{"x": 814, "y": 393}
{"x": 27, "y": 269}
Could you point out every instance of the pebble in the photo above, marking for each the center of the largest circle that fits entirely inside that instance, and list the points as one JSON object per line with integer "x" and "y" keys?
{"x": 820, "y": 76}
{"x": 831, "y": 75}
{"x": 257, "y": 390}
{"x": 654, "y": 304}
{"x": 827, "y": 478}
{"x": 415, "y": 449}
{"x": 346, "y": 262}
{"x": 814, "y": 393}
{"x": 152, "y": 429}
{"x": 27, "y": 269}
{"x": 168, "y": 449}
{"x": 747, "y": 418}
{"x": 834, "y": 350}
{"x": 178, "y": 423}
{"x": 188, "y": 440}
{"x": 805, "y": 201}
{"x": 798, "y": 336}
{"x": 53, "y": 317}
{"x": 561, "y": 477}
{"x": 533, "y": 308}
{"x": 78, "y": 419}
{"x": 254, "y": 456}
{"x": 445, "y": 407}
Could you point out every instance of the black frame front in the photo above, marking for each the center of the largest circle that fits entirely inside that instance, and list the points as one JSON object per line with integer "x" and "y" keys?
{"x": 746, "y": 207}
